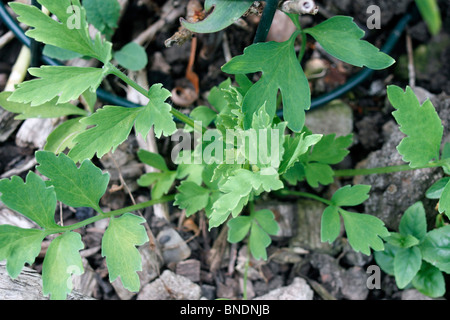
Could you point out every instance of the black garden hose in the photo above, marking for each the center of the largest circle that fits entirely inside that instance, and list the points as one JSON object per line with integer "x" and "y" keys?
{"x": 360, "y": 77}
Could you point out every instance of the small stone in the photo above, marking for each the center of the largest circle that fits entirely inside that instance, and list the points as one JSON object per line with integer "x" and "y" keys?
{"x": 227, "y": 290}
{"x": 354, "y": 284}
{"x": 298, "y": 290}
{"x": 208, "y": 291}
{"x": 330, "y": 272}
{"x": 336, "y": 117}
{"x": 170, "y": 286}
{"x": 173, "y": 247}
{"x": 353, "y": 258}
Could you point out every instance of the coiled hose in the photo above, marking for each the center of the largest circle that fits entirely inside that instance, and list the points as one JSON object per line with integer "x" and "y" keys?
{"x": 354, "y": 81}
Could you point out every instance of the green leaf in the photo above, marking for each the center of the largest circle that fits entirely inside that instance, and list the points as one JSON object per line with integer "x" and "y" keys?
{"x": 70, "y": 32}
{"x": 112, "y": 127}
{"x": 156, "y": 113}
{"x": 191, "y": 197}
{"x": 330, "y": 225}
{"x": 429, "y": 281}
{"x": 103, "y": 14}
{"x": 62, "y": 260}
{"x": 429, "y": 9}
{"x": 67, "y": 83}
{"x": 19, "y": 246}
{"x": 161, "y": 182}
{"x": 350, "y": 196}
{"x": 76, "y": 187}
{"x": 216, "y": 96}
{"x": 295, "y": 174}
{"x": 295, "y": 147}
{"x": 59, "y": 53}
{"x": 414, "y": 221}
{"x": 407, "y": 263}
{"x": 132, "y": 56}
{"x": 435, "y": 248}
{"x": 259, "y": 240}
{"x": 385, "y": 258}
{"x": 47, "y": 110}
{"x": 331, "y": 150}
{"x": 318, "y": 173}
{"x": 33, "y": 199}
{"x": 62, "y": 137}
{"x": 238, "y": 228}
{"x": 444, "y": 203}
{"x": 152, "y": 159}
{"x": 435, "y": 191}
{"x": 446, "y": 156}
{"x": 341, "y": 37}
{"x": 204, "y": 114}
{"x": 401, "y": 240}
{"x": 364, "y": 231}
{"x": 225, "y": 13}
{"x": 421, "y": 124}
{"x": 266, "y": 220}
{"x": 119, "y": 247}
{"x": 280, "y": 69}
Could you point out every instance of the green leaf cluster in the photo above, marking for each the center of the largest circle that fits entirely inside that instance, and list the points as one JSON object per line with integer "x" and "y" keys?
{"x": 36, "y": 199}
{"x": 314, "y": 166}
{"x": 417, "y": 257}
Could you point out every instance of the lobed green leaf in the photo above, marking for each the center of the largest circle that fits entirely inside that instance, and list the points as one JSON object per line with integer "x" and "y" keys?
{"x": 350, "y": 196}
{"x": 119, "y": 247}
{"x": 341, "y": 37}
{"x": 280, "y": 69}
{"x": 66, "y": 83}
{"x": 31, "y": 198}
{"x": 61, "y": 261}
{"x": 19, "y": 246}
{"x": 364, "y": 231}
{"x": 70, "y": 32}
{"x": 420, "y": 123}
{"x": 76, "y": 187}
{"x": 49, "y": 109}
{"x": 191, "y": 197}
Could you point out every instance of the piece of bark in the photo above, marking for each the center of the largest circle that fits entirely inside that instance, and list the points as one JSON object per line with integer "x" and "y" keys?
{"x": 189, "y": 269}
{"x": 27, "y": 286}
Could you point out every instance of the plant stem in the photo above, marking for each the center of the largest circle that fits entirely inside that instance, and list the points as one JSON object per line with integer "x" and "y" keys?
{"x": 385, "y": 170}
{"x": 179, "y": 115}
{"x": 303, "y": 49}
{"x": 110, "y": 214}
{"x": 295, "y": 20}
{"x": 285, "y": 193}
{"x": 266, "y": 21}
{"x": 247, "y": 263}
